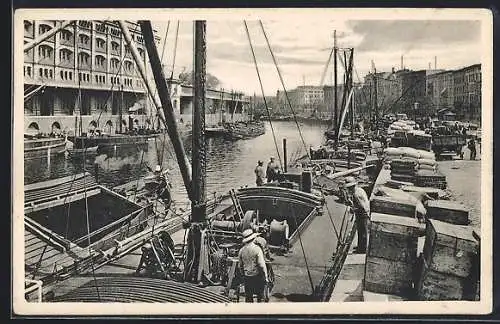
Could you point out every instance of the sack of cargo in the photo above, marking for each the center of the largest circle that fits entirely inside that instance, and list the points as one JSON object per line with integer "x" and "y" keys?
{"x": 427, "y": 162}
{"x": 393, "y": 151}
{"x": 409, "y": 158}
{"x": 410, "y": 152}
{"x": 427, "y": 155}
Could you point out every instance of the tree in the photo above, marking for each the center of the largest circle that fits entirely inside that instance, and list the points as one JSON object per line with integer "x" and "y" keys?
{"x": 188, "y": 78}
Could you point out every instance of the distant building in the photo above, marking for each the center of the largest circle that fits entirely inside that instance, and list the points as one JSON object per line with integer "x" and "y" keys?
{"x": 467, "y": 96}
{"x": 304, "y": 99}
{"x": 440, "y": 89}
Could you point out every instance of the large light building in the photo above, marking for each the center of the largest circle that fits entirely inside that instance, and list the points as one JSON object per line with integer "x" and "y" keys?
{"x": 86, "y": 72}
{"x": 85, "y": 69}
{"x": 304, "y": 99}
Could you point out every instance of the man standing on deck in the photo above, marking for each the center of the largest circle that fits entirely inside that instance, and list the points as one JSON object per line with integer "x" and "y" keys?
{"x": 358, "y": 200}
{"x": 272, "y": 170}
{"x": 253, "y": 267}
{"x": 259, "y": 173}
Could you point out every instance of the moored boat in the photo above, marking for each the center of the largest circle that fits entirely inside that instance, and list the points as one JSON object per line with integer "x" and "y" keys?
{"x": 42, "y": 147}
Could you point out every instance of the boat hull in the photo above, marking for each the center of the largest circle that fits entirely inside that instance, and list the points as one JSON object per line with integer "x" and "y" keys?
{"x": 43, "y": 147}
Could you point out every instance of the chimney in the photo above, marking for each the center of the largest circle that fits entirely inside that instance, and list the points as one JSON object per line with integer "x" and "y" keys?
{"x": 402, "y": 67}
{"x": 435, "y": 62}
{"x": 393, "y": 69}
{"x": 429, "y": 65}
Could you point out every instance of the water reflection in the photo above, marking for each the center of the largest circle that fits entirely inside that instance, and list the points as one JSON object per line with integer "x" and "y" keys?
{"x": 229, "y": 164}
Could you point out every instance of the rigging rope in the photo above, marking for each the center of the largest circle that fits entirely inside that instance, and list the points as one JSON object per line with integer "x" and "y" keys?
{"x": 323, "y": 75}
{"x": 175, "y": 49}
{"x": 303, "y": 252}
{"x": 284, "y": 88}
{"x": 88, "y": 229}
{"x": 262, "y": 90}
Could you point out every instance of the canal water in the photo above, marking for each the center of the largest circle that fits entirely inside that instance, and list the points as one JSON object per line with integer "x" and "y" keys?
{"x": 230, "y": 164}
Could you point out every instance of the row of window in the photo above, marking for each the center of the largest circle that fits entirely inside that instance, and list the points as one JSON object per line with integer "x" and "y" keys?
{"x": 66, "y": 75}
{"x": 100, "y": 78}
{"x": 43, "y": 28}
{"x": 47, "y": 52}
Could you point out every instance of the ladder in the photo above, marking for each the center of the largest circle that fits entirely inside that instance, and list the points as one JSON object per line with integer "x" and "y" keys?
{"x": 236, "y": 202}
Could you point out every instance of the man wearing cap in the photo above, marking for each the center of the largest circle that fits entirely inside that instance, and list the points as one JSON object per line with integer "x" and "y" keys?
{"x": 360, "y": 204}
{"x": 252, "y": 266}
{"x": 259, "y": 173}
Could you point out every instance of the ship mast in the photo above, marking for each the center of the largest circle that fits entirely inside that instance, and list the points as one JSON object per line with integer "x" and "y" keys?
{"x": 335, "y": 108}
{"x": 194, "y": 260}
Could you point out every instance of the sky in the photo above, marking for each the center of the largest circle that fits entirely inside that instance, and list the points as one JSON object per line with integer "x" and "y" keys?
{"x": 302, "y": 47}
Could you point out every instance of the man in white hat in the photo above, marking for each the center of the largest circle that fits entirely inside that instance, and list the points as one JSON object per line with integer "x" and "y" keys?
{"x": 358, "y": 200}
{"x": 253, "y": 267}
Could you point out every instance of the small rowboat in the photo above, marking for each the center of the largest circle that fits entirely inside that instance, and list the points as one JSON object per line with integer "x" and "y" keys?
{"x": 79, "y": 151}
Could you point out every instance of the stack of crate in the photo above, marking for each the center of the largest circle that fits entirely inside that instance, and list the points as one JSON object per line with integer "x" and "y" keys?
{"x": 450, "y": 267}
{"x": 403, "y": 169}
{"x": 392, "y": 254}
{"x": 448, "y": 211}
{"x": 430, "y": 178}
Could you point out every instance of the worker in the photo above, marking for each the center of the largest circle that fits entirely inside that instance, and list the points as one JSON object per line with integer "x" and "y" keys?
{"x": 472, "y": 147}
{"x": 272, "y": 170}
{"x": 252, "y": 266}
{"x": 358, "y": 200}
{"x": 259, "y": 173}
{"x": 163, "y": 186}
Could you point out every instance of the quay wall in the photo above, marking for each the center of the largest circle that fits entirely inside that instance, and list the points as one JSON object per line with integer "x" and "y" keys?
{"x": 110, "y": 123}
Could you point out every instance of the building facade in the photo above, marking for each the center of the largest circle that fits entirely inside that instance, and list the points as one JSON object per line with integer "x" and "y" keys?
{"x": 304, "y": 99}
{"x": 440, "y": 89}
{"x": 85, "y": 72}
{"x": 467, "y": 96}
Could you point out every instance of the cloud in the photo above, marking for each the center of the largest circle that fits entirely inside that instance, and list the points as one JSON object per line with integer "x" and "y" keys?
{"x": 302, "y": 47}
{"x": 378, "y": 35}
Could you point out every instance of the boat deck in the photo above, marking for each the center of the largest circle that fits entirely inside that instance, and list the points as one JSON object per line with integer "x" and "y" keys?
{"x": 292, "y": 282}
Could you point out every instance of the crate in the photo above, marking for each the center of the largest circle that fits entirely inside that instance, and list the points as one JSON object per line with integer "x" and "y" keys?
{"x": 435, "y": 285}
{"x": 448, "y": 211}
{"x": 392, "y": 206}
{"x": 430, "y": 178}
{"x": 394, "y": 237}
{"x": 450, "y": 249}
{"x": 388, "y": 276}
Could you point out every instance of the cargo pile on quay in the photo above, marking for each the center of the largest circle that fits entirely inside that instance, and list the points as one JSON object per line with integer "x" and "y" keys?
{"x": 421, "y": 244}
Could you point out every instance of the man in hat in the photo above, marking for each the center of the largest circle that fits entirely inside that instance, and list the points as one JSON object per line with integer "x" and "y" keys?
{"x": 259, "y": 173}
{"x": 358, "y": 200}
{"x": 252, "y": 266}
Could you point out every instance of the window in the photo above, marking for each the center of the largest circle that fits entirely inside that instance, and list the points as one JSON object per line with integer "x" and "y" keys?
{"x": 83, "y": 58}
{"x": 141, "y": 52}
{"x": 27, "y": 26}
{"x": 65, "y": 54}
{"x": 115, "y": 46}
{"x": 128, "y": 66}
{"x": 62, "y": 75}
{"x": 127, "y": 50}
{"x": 115, "y": 63}
{"x": 50, "y": 74}
{"x": 100, "y": 60}
{"x": 43, "y": 28}
{"x": 100, "y": 43}
{"x": 45, "y": 52}
{"x": 84, "y": 39}
{"x": 101, "y": 28}
{"x": 66, "y": 35}
{"x": 70, "y": 75}
{"x": 28, "y": 70}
